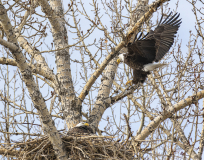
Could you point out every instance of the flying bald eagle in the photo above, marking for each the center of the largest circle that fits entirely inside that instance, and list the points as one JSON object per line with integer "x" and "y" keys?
{"x": 151, "y": 48}
{"x": 81, "y": 128}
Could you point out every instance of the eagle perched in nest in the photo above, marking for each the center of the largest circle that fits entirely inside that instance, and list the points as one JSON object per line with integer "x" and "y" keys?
{"x": 151, "y": 48}
{"x": 80, "y": 129}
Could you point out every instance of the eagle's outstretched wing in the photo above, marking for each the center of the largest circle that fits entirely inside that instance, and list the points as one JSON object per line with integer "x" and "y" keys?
{"x": 158, "y": 42}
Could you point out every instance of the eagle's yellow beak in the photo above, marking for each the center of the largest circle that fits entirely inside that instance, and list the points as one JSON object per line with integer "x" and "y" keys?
{"x": 86, "y": 124}
{"x": 118, "y": 61}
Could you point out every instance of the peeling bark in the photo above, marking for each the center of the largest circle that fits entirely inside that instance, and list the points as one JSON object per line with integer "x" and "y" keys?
{"x": 103, "y": 100}
{"x": 36, "y": 96}
{"x": 71, "y": 110}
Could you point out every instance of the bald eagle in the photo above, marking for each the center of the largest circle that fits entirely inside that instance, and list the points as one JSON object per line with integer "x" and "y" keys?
{"x": 81, "y": 128}
{"x": 151, "y": 48}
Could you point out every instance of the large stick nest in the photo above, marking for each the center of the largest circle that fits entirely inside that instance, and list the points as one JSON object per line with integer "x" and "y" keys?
{"x": 77, "y": 147}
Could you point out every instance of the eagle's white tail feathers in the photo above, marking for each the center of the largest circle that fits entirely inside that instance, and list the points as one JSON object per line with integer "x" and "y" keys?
{"x": 153, "y": 66}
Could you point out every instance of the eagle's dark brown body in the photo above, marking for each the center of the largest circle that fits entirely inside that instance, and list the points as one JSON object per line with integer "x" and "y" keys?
{"x": 80, "y": 130}
{"x": 152, "y": 47}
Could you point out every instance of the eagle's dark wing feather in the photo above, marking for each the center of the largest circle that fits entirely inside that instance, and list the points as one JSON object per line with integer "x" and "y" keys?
{"x": 164, "y": 35}
{"x": 141, "y": 51}
{"x": 155, "y": 44}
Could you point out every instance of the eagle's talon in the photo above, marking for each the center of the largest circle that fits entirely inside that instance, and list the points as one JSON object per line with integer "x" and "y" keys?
{"x": 129, "y": 82}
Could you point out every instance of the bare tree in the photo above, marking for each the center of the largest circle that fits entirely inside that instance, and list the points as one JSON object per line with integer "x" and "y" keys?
{"x": 51, "y": 84}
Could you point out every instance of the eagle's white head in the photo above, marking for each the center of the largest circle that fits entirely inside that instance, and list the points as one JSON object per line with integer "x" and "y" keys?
{"x": 82, "y": 124}
{"x": 120, "y": 58}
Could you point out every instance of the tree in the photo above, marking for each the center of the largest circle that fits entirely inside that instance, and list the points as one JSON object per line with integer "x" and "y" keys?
{"x": 86, "y": 39}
